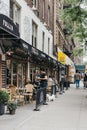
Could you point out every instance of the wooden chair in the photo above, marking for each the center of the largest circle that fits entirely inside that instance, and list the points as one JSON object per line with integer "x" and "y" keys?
{"x": 49, "y": 86}
{"x": 16, "y": 96}
{"x": 29, "y": 92}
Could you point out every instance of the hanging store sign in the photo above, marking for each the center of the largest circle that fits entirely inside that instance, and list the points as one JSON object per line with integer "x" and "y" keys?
{"x": 8, "y": 25}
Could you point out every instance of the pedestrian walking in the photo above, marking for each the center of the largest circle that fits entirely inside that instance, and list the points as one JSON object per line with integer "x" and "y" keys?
{"x": 77, "y": 78}
{"x": 85, "y": 80}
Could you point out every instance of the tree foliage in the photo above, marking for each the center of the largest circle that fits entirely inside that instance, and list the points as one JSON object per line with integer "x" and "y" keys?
{"x": 75, "y": 19}
{"x": 77, "y": 51}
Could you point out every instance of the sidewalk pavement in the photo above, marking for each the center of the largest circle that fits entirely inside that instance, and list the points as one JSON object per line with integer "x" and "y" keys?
{"x": 67, "y": 112}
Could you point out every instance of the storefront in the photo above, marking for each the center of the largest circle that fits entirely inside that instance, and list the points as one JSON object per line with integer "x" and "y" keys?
{"x": 66, "y": 67}
{"x": 19, "y": 61}
{"x": 61, "y": 57}
{"x": 34, "y": 61}
{"x": 13, "y": 54}
{"x": 39, "y": 59}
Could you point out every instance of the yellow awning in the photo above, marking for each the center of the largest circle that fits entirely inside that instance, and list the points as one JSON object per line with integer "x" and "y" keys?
{"x": 61, "y": 57}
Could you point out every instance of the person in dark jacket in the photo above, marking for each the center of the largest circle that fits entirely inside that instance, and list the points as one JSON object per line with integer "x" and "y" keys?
{"x": 43, "y": 82}
{"x": 85, "y": 80}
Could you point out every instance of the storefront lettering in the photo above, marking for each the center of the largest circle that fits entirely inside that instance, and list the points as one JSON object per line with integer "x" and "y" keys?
{"x": 7, "y": 25}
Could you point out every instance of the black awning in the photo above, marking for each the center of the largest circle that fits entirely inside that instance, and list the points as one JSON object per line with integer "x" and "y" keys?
{"x": 34, "y": 51}
{"x": 14, "y": 47}
{"x": 23, "y": 47}
{"x": 43, "y": 56}
{"x": 7, "y": 44}
{"x": 7, "y": 28}
{"x": 34, "y": 54}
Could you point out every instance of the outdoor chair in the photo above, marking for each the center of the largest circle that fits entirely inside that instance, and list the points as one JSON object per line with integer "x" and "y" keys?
{"x": 49, "y": 86}
{"x": 16, "y": 96}
{"x": 29, "y": 92}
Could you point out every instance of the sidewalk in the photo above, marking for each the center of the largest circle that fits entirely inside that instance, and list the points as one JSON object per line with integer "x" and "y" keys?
{"x": 67, "y": 112}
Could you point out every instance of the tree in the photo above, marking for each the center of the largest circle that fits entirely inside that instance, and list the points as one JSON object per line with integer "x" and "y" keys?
{"x": 75, "y": 19}
{"x": 74, "y": 16}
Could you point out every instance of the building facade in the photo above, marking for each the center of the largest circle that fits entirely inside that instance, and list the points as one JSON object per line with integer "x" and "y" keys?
{"x": 26, "y": 44}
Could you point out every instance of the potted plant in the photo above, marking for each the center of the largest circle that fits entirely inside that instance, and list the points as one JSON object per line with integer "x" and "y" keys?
{"x": 11, "y": 106}
{"x": 4, "y": 97}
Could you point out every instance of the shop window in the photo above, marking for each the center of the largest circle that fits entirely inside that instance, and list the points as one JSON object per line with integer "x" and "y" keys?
{"x": 32, "y": 74}
{"x": 14, "y": 74}
{"x": 8, "y": 71}
{"x": 19, "y": 75}
{"x": 24, "y": 75}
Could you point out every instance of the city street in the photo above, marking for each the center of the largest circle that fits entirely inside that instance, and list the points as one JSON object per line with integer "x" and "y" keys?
{"x": 43, "y": 48}
{"x": 67, "y": 112}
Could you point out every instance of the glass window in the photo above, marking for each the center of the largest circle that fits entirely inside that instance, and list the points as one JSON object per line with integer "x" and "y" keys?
{"x": 16, "y": 73}
{"x": 24, "y": 75}
{"x": 11, "y": 9}
{"x": 48, "y": 15}
{"x": 35, "y": 3}
{"x": 19, "y": 68}
{"x": 34, "y": 34}
{"x": 15, "y": 12}
{"x": 43, "y": 8}
{"x": 8, "y": 65}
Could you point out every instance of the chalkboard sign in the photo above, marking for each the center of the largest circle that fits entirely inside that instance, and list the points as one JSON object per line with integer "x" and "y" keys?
{"x": 3, "y": 74}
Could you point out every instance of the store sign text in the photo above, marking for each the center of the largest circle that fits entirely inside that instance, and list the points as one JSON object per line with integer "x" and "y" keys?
{"x": 7, "y": 25}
